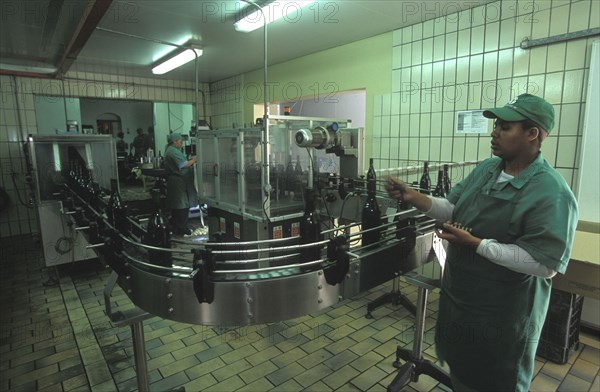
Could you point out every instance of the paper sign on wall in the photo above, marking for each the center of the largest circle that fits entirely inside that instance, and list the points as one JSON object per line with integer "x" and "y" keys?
{"x": 471, "y": 121}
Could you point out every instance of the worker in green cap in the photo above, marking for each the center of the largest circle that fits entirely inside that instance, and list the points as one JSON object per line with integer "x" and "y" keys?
{"x": 510, "y": 226}
{"x": 181, "y": 191}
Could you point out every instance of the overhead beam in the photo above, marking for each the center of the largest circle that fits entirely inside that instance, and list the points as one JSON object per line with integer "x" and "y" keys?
{"x": 53, "y": 12}
{"x": 92, "y": 15}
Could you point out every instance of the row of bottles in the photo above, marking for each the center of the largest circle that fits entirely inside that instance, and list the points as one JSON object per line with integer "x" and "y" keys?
{"x": 157, "y": 232}
{"x": 287, "y": 181}
{"x": 443, "y": 184}
{"x": 81, "y": 180}
{"x": 371, "y": 214}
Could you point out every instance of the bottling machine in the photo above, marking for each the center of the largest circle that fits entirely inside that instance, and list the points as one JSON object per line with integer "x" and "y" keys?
{"x": 261, "y": 261}
{"x": 247, "y": 205}
{"x": 88, "y": 156}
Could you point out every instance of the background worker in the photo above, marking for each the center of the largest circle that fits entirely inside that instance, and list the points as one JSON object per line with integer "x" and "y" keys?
{"x": 181, "y": 191}
{"x": 139, "y": 143}
{"x": 496, "y": 286}
{"x": 121, "y": 145}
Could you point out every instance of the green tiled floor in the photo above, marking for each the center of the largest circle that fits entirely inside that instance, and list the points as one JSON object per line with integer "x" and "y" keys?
{"x": 55, "y": 336}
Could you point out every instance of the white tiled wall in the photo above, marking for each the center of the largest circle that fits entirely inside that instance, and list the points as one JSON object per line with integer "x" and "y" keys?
{"x": 227, "y": 102}
{"x": 17, "y": 120}
{"x": 472, "y": 60}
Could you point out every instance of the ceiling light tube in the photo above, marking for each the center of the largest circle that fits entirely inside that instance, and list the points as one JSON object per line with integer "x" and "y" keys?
{"x": 288, "y": 9}
{"x": 176, "y": 61}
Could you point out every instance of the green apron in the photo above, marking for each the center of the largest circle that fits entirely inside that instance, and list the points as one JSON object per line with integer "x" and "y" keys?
{"x": 490, "y": 318}
{"x": 181, "y": 191}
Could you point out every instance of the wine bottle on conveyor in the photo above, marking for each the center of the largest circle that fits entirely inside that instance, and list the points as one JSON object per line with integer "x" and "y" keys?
{"x": 158, "y": 233}
{"x": 310, "y": 229}
{"x": 289, "y": 178}
{"x": 371, "y": 215}
{"x": 447, "y": 184}
{"x": 371, "y": 177}
{"x": 439, "y": 190}
{"x": 298, "y": 179}
{"x": 425, "y": 183}
{"x": 117, "y": 211}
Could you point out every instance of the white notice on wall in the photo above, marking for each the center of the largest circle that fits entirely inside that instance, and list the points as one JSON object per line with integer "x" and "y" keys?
{"x": 471, "y": 121}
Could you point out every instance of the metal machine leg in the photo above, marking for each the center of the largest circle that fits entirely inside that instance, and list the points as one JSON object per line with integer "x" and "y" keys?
{"x": 395, "y": 297}
{"x": 139, "y": 352}
{"x": 415, "y": 363}
{"x": 135, "y": 319}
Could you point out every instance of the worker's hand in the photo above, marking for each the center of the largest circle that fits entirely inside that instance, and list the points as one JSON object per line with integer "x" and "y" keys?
{"x": 456, "y": 233}
{"x": 397, "y": 189}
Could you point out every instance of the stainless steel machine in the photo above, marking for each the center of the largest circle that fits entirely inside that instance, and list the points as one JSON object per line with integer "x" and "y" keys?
{"x": 52, "y": 157}
{"x": 246, "y": 201}
{"x": 257, "y": 264}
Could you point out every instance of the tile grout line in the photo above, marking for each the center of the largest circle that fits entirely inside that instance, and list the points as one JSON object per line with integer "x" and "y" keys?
{"x": 84, "y": 336}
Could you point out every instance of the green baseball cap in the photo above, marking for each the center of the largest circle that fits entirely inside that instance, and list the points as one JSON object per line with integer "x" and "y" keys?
{"x": 525, "y": 106}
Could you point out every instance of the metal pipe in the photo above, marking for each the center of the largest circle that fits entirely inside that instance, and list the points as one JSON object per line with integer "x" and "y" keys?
{"x": 310, "y": 179}
{"x": 290, "y": 247}
{"x": 82, "y": 228}
{"x": 261, "y": 242}
{"x": 275, "y": 258}
{"x": 420, "y": 322}
{"x": 139, "y": 351}
{"x": 258, "y": 270}
{"x": 358, "y": 223}
{"x": 95, "y": 246}
{"x": 265, "y": 185}
{"x": 397, "y": 171}
{"x": 158, "y": 267}
{"x": 532, "y": 43}
{"x": 155, "y": 40}
{"x": 154, "y": 247}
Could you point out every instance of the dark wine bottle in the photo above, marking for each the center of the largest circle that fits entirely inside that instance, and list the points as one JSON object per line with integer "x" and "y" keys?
{"x": 110, "y": 208}
{"x": 289, "y": 177}
{"x": 401, "y": 223}
{"x": 371, "y": 177}
{"x": 425, "y": 183}
{"x": 91, "y": 187}
{"x": 371, "y": 215}
{"x": 158, "y": 234}
{"x": 371, "y": 218}
{"x": 298, "y": 166}
{"x": 439, "y": 190}
{"x": 298, "y": 180}
{"x": 447, "y": 184}
{"x": 310, "y": 228}
{"x": 117, "y": 211}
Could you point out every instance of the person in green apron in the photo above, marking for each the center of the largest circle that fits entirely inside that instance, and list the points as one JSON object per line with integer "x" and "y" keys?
{"x": 181, "y": 191}
{"x": 510, "y": 226}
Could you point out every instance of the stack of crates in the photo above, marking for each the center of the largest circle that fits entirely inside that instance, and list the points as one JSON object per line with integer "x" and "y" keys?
{"x": 560, "y": 335}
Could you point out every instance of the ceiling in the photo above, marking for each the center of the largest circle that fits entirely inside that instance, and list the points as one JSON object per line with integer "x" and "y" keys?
{"x": 56, "y": 36}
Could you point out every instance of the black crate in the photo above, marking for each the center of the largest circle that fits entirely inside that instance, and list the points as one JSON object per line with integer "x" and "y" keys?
{"x": 560, "y": 334}
{"x": 555, "y": 353}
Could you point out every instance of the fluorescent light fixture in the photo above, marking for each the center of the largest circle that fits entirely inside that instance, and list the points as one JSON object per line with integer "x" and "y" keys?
{"x": 176, "y": 61}
{"x": 291, "y": 10}
{"x": 44, "y": 69}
